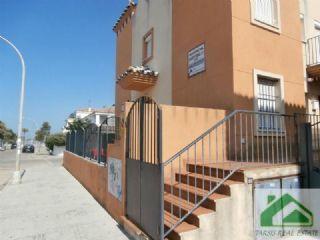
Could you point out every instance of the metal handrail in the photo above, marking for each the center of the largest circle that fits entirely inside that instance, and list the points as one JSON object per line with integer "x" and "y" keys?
{"x": 314, "y": 124}
{"x": 275, "y": 137}
{"x": 310, "y": 117}
{"x": 219, "y": 123}
{"x": 200, "y": 202}
{"x": 199, "y": 138}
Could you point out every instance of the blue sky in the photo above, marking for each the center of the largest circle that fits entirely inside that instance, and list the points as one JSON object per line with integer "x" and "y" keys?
{"x": 69, "y": 49}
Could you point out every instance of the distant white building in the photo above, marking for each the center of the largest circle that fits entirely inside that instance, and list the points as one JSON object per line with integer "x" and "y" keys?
{"x": 96, "y": 116}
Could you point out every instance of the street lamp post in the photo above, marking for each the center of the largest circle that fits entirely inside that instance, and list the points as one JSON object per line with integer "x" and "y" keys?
{"x": 17, "y": 175}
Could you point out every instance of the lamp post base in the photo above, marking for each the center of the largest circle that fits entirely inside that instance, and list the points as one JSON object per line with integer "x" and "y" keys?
{"x": 16, "y": 177}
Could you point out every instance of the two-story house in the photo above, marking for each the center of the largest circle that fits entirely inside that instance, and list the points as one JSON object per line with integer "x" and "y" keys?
{"x": 196, "y": 57}
{"x": 224, "y": 55}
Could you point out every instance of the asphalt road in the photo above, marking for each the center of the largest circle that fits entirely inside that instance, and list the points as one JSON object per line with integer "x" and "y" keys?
{"x": 28, "y": 160}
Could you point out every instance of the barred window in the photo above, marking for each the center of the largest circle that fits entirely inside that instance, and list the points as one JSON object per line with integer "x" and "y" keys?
{"x": 268, "y": 96}
{"x": 266, "y": 11}
{"x": 269, "y": 100}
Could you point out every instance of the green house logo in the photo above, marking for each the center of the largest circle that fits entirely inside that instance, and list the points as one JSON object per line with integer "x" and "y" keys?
{"x": 285, "y": 211}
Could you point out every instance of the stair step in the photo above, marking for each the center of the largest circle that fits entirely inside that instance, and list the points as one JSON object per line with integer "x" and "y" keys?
{"x": 194, "y": 194}
{"x": 218, "y": 170}
{"x": 180, "y": 207}
{"x": 208, "y": 182}
{"x": 170, "y": 220}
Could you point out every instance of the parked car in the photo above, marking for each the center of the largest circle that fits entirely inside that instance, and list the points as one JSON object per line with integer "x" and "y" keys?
{"x": 13, "y": 146}
{"x": 2, "y": 148}
{"x": 28, "y": 148}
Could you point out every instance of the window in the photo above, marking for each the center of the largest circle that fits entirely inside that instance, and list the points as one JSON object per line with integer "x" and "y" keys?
{"x": 268, "y": 95}
{"x": 269, "y": 100}
{"x": 148, "y": 47}
{"x": 266, "y": 12}
{"x": 314, "y": 106}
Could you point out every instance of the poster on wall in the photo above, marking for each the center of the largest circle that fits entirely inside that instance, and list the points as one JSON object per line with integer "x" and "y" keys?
{"x": 115, "y": 178}
{"x": 196, "y": 60}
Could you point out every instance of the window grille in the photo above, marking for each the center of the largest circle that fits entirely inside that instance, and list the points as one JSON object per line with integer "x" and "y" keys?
{"x": 268, "y": 102}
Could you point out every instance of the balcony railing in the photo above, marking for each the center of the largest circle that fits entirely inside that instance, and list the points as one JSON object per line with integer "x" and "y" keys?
{"x": 313, "y": 57}
{"x": 313, "y": 51}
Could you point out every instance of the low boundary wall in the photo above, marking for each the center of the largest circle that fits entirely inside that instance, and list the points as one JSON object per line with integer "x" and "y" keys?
{"x": 94, "y": 177}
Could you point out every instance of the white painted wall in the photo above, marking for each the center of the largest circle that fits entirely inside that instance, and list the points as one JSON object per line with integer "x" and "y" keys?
{"x": 58, "y": 151}
{"x": 157, "y": 15}
{"x": 310, "y": 10}
{"x": 82, "y": 114}
{"x": 99, "y": 118}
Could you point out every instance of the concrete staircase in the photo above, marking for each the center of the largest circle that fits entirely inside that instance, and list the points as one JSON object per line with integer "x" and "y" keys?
{"x": 189, "y": 187}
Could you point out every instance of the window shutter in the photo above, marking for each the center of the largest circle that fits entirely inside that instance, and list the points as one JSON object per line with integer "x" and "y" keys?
{"x": 266, "y": 11}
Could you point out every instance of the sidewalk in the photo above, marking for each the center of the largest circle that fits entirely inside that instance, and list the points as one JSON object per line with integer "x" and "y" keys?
{"x": 51, "y": 205}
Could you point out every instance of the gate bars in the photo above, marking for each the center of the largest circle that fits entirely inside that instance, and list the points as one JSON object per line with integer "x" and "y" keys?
{"x": 314, "y": 121}
{"x": 143, "y": 131}
{"x": 144, "y": 205}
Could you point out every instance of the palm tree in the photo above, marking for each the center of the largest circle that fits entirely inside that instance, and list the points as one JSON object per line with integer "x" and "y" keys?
{"x": 78, "y": 124}
{"x": 24, "y": 130}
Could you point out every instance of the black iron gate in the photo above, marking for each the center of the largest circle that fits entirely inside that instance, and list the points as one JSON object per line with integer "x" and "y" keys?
{"x": 309, "y": 148}
{"x": 143, "y": 167}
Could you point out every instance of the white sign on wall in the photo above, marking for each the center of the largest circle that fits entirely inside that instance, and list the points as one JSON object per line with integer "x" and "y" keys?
{"x": 115, "y": 177}
{"x": 196, "y": 60}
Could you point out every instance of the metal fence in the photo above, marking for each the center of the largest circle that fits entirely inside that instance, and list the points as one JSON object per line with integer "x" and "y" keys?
{"x": 314, "y": 124}
{"x": 92, "y": 142}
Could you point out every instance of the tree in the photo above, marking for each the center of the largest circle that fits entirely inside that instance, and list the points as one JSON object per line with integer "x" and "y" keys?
{"x": 78, "y": 124}
{"x": 25, "y": 130}
{"x": 46, "y": 128}
{"x": 3, "y": 129}
{"x": 10, "y": 136}
{"x": 57, "y": 139}
{"x": 43, "y": 132}
{"x": 7, "y": 134}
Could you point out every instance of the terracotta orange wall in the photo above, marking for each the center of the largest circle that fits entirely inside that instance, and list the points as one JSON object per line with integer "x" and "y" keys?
{"x": 278, "y": 53}
{"x": 123, "y": 61}
{"x": 117, "y": 150}
{"x": 94, "y": 178}
{"x": 234, "y": 48}
{"x": 182, "y": 125}
{"x": 207, "y": 22}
